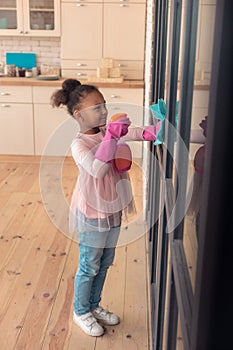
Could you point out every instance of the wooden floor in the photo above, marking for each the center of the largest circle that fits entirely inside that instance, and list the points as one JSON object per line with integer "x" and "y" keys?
{"x": 38, "y": 264}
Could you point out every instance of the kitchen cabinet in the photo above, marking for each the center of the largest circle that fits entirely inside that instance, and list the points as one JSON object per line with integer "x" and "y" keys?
{"x": 81, "y": 30}
{"x": 30, "y": 17}
{"x": 30, "y": 126}
{"x": 95, "y": 29}
{"x": 54, "y": 128}
{"x": 16, "y": 120}
{"x": 124, "y": 31}
{"x": 81, "y": 41}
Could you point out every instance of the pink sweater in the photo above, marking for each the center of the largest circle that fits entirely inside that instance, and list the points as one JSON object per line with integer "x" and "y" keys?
{"x": 101, "y": 193}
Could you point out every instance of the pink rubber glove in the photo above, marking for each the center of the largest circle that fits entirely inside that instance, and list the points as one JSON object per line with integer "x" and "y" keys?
{"x": 119, "y": 127}
{"x": 150, "y": 132}
{"x": 114, "y": 131}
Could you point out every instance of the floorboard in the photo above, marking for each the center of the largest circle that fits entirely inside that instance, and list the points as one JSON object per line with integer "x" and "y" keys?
{"x": 38, "y": 264}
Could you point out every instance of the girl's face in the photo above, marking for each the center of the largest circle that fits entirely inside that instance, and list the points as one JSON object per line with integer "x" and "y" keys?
{"x": 93, "y": 113}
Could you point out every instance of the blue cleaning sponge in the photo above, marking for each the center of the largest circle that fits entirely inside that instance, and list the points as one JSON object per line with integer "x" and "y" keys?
{"x": 159, "y": 112}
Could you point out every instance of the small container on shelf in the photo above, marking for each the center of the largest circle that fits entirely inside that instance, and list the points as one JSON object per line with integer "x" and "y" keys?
{"x": 28, "y": 73}
{"x": 10, "y": 70}
{"x": 22, "y": 72}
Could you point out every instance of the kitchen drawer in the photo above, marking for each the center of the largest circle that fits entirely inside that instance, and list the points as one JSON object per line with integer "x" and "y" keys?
{"x": 135, "y": 65}
{"x": 80, "y": 64}
{"x": 131, "y": 70}
{"x": 81, "y": 1}
{"x": 130, "y": 74}
{"x": 43, "y": 94}
{"x": 123, "y": 95}
{"x": 128, "y": 101}
{"x": 16, "y": 94}
{"x": 78, "y": 73}
{"x": 125, "y": 2}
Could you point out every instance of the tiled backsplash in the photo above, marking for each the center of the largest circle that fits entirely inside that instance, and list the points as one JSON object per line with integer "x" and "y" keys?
{"x": 47, "y": 50}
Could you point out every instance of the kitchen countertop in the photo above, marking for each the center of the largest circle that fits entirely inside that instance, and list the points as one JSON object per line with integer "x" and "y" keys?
{"x": 133, "y": 84}
{"x": 57, "y": 83}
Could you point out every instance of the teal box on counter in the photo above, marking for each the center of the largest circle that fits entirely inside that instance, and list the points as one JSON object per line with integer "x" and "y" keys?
{"x": 21, "y": 60}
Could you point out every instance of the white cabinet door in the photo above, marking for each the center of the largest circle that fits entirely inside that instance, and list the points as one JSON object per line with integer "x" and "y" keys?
{"x": 30, "y": 18}
{"x": 129, "y": 101}
{"x": 54, "y": 130}
{"x": 41, "y": 18}
{"x": 11, "y": 17}
{"x": 16, "y": 120}
{"x": 16, "y": 128}
{"x": 81, "y": 31}
{"x": 92, "y": 30}
{"x": 124, "y": 31}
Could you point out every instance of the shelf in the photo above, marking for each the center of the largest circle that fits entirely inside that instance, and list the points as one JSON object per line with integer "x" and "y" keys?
{"x": 41, "y": 10}
{"x": 8, "y": 8}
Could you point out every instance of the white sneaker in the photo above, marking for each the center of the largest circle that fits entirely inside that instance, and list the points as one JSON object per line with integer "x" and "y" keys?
{"x": 105, "y": 317}
{"x": 89, "y": 324}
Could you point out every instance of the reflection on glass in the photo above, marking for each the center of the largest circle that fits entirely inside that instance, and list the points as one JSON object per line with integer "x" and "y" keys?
{"x": 205, "y": 33}
{"x": 198, "y": 134}
{"x": 41, "y": 4}
{"x": 41, "y": 20}
{"x": 8, "y": 18}
{"x": 8, "y": 3}
{"x": 41, "y": 14}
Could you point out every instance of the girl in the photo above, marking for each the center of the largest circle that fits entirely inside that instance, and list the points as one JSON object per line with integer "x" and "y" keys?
{"x": 101, "y": 195}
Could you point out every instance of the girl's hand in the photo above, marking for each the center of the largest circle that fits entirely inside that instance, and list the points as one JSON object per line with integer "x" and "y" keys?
{"x": 150, "y": 132}
{"x": 118, "y": 128}
{"x": 114, "y": 131}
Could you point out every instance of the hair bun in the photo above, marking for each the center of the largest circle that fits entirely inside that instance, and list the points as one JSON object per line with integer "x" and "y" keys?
{"x": 69, "y": 85}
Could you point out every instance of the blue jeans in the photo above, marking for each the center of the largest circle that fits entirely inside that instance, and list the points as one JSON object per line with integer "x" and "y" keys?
{"x": 96, "y": 255}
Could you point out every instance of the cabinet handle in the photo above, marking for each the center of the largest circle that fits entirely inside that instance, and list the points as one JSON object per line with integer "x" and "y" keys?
{"x": 81, "y": 64}
{"x": 115, "y": 96}
{"x": 123, "y": 5}
{"x": 4, "y": 93}
{"x": 122, "y": 65}
{"x": 80, "y": 5}
{"x": 26, "y": 32}
{"x": 5, "y": 105}
{"x": 20, "y": 31}
{"x": 81, "y": 74}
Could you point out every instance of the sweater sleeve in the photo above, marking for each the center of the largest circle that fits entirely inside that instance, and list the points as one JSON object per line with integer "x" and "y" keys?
{"x": 134, "y": 134}
{"x": 85, "y": 158}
